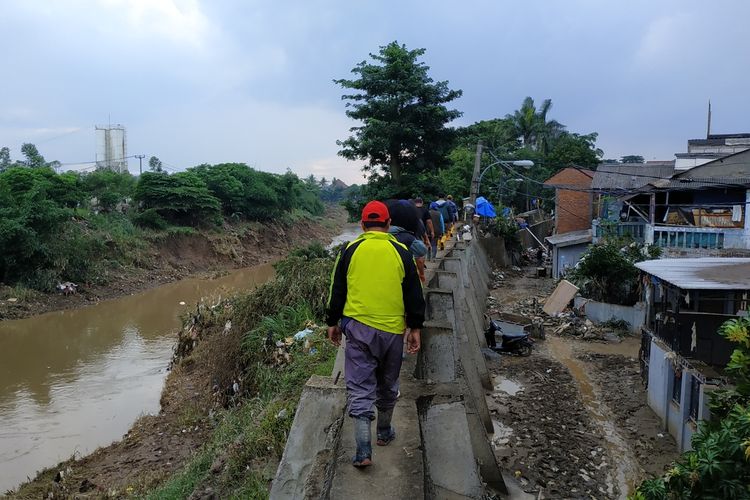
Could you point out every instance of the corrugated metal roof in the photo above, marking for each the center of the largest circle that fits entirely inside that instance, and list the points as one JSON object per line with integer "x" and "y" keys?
{"x": 700, "y": 183}
{"x": 570, "y": 238}
{"x": 704, "y": 273}
{"x": 630, "y": 176}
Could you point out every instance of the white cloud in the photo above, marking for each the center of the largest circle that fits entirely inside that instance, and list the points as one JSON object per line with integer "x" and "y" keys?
{"x": 668, "y": 41}
{"x": 178, "y": 20}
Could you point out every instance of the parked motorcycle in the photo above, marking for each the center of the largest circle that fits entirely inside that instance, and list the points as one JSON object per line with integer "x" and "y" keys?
{"x": 519, "y": 344}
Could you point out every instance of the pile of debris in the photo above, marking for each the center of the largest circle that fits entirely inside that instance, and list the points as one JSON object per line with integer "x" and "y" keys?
{"x": 534, "y": 256}
{"x": 568, "y": 322}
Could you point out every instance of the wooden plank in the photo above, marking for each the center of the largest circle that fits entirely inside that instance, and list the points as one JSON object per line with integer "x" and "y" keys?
{"x": 560, "y": 298}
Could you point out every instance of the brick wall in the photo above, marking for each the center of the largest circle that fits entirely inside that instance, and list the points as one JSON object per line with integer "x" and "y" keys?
{"x": 573, "y": 209}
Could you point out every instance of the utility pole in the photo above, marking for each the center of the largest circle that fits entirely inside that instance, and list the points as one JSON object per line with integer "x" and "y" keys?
{"x": 140, "y": 163}
{"x": 475, "y": 176}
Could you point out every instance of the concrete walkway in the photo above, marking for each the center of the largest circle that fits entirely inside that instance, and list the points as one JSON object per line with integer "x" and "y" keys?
{"x": 442, "y": 448}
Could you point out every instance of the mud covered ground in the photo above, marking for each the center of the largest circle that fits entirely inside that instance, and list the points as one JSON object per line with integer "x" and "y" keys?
{"x": 173, "y": 258}
{"x": 622, "y": 391}
{"x": 572, "y": 419}
{"x": 552, "y": 444}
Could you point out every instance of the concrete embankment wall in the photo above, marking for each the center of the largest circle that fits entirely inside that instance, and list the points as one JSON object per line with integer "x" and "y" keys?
{"x": 442, "y": 449}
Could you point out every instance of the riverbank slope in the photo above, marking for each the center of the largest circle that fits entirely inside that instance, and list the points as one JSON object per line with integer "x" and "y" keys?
{"x": 201, "y": 404}
{"x": 169, "y": 256}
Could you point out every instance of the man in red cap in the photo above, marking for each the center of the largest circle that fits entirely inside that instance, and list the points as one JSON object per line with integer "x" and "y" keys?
{"x": 376, "y": 294}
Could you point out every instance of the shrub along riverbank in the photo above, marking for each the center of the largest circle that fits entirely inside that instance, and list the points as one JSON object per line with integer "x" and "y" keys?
{"x": 113, "y": 234}
{"x": 228, "y": 402}
{"x": 75, "y": 227}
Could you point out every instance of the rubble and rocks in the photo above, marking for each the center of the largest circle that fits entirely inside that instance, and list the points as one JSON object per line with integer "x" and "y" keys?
{"x": 554, "y": 445}
{"x": 626, "y": 397}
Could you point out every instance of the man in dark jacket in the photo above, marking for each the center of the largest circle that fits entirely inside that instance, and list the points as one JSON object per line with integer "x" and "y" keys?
{"x": 376, "y": 294}
{"x": 439, "y": 224}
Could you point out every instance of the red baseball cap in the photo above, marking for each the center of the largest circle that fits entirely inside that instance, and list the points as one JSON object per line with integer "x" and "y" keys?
{"x": 375, "y": 211}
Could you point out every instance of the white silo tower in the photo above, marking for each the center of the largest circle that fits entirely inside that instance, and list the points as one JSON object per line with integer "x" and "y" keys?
{"x": 111, "y": 148}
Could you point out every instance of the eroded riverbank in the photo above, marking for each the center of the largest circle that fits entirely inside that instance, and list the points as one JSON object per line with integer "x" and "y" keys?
{"x": 203, "y": 255}
{"x": 75, "y": 380}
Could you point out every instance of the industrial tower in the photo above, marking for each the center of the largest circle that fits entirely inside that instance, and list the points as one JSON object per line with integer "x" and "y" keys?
{"x": 111, "y": 148}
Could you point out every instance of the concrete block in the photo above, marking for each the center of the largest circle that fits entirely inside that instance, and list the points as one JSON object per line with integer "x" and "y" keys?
{"x": 451, "y": 471}
{"x": 488, "y": 467}
{"x": 397, "y": 471}
{"x": 311, "y": 441}
{"x": 471, "y": 354}
{"x": 475, "y": 390}
{"x": 440, "y": 306}
{"x": 438, "y": 356}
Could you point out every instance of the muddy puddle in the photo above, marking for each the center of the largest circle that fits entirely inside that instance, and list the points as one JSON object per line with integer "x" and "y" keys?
{"x": 501, "y": 434}
{"x": 626, "y": 465}
{"x": 71, "y": 381}
{"x": 506, "y": 385}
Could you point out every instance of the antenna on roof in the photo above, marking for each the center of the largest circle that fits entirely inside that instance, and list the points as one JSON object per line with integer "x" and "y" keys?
{"x": 708, "y": 128}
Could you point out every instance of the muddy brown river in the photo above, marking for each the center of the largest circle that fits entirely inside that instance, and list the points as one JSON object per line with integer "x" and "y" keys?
{"x": 72, "y": 381}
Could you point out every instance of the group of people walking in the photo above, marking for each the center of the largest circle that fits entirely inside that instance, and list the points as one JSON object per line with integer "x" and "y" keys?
{"x": 376, "y": 301}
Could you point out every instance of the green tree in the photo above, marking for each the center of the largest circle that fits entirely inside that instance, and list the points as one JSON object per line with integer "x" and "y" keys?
{"x": 632, "y": 159}
{"x": 532, "y": 127}
{"x": 607, "y": 272}
{"x": 181, "y": 198}
{"x": 403, "y": 114}
{"x": 33, "y": 158}
{"x": 108, "y": 187}
{"x": 498, "y": 134}
{"x": 34, "y": 207}
{"x": 155, "y": 164}
{"x": 574, "y": 149}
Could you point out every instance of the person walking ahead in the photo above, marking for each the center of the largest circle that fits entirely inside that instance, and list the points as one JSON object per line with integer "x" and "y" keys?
{"x": 376, "y": 294}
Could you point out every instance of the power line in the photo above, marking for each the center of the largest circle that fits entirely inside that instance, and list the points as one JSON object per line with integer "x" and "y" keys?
{"x": 623, "y": 191}
{"x": 624, "y": 174}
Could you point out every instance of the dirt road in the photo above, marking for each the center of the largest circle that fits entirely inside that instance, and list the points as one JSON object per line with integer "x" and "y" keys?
{"x": 572, "y": 419}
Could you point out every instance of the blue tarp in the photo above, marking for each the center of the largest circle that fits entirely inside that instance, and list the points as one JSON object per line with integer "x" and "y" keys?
{"x": 485, "y": 208}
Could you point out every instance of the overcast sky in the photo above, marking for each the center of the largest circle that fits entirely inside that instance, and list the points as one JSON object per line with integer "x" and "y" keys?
{"x": 251, "y": 81}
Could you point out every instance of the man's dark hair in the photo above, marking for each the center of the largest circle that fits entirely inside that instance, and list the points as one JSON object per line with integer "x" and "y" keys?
{"x": 376, "y": 223}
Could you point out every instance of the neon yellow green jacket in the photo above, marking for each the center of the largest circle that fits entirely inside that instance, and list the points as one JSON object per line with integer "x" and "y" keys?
{"x": 375, "y": 281}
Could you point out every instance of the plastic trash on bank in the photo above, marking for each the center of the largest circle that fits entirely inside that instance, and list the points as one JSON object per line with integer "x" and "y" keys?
{"x": 302, "y": 334}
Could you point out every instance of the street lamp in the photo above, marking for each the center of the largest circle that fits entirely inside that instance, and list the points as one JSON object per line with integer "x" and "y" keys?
{"x": 505, "y": 163}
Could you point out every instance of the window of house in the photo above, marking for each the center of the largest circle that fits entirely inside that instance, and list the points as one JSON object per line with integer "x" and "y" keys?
{"x": 695, "y": 394}
{"x": 676, "y": 385}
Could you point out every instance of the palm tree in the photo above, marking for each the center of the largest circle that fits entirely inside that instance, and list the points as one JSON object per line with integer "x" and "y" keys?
{"x": 532, "y": 127}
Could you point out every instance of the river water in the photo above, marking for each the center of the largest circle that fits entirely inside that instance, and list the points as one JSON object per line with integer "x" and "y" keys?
{"x": 72, "y": 381}
{"x": 350, "y": 231}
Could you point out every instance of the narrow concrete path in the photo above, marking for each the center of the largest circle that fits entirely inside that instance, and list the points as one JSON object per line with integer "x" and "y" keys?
{"x": 441, "y": 449}
{"x": 398, "y": 470}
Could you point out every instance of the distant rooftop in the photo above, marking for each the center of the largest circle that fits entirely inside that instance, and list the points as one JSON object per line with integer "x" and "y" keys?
{"x": 570, "y": 238}
{"x": 703, "y": 273}
{"x": 627, "y": 176}
{"x": 721, "y": 140}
